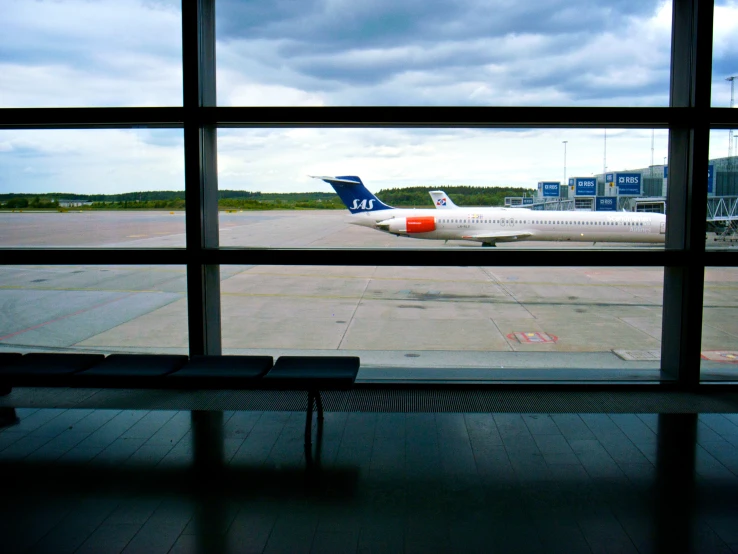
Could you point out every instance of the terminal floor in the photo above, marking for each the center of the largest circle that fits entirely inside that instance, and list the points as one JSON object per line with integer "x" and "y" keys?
{"x": 102, "y": 481}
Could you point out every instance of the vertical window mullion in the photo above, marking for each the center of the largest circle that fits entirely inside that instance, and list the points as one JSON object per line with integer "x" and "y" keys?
{"x": 686, "y": 202}
{"x": 201, "y": 187}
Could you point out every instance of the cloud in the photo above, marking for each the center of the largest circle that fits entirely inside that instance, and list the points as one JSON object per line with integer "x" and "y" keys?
{"x": 340, "y": 53}
{"x": 470, "y": 53}
{"x": 90, "y": 53}
{"x": 91, "y": 161}
{"x": 389, "y": 158}
{"x": 724, "y": 51}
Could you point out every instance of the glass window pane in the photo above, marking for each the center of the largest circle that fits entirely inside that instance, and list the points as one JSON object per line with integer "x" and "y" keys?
{"x": 452, "y": 323}
{"x": 82, "y": 53}
{"x": 106, "y": 309}
{"x": 722, "y": 193}
{"x": 720, "y": 324}
{"x": 451, "y": 188}
{"x": 107, "y": 188}
{"x": 441, "y": 54}
{"x": 724, "y": 48}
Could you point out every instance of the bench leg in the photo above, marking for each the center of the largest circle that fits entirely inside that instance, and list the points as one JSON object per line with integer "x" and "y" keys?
{"x": 309, "y": 420}
{"x": 313, "y": 398}
{"x": 319, "y": 405}
{"x": 8, "y": 417}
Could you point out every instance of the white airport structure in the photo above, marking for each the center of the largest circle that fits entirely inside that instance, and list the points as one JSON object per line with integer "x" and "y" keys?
{"x": 638, "y": 190}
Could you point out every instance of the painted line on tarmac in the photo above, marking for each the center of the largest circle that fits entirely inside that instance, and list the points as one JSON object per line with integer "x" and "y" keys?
{"x": 64, "y": 270}
{"x": 72, "y": 289}
{"x": 477, "y": 281}
{"x": 83, "y": 310}
{"x": 283, "y": 295}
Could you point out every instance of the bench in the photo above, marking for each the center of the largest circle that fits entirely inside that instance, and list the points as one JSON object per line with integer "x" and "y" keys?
{"x": 312, "y": 374}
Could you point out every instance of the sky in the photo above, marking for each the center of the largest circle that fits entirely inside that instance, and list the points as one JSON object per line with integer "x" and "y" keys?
{"x": 58, "y": 53}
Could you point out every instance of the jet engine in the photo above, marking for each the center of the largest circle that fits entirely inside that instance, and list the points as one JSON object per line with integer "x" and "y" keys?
{"x": 410, "y": 225}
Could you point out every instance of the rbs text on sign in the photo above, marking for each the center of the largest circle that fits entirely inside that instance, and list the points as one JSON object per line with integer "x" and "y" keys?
{"x": 550, "y": 188}
{"x": 585, "y": 187}
{"x": 628, "y": 183}
{"x": 605, "y": 204}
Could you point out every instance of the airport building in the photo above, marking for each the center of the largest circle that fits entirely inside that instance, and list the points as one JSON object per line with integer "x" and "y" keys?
{"x": 639, "y": 190}
{"x": 267, "y": 382}
{"x": 66, "y": 203}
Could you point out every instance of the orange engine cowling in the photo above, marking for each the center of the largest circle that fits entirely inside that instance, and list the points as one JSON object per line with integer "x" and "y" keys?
{"x": 420, "y": 224}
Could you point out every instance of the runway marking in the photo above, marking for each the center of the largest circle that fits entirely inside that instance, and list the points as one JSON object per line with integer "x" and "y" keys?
{"x": 282, "y": 295}
{"x": 536, "y": 337}
{"x": 359, "y": 277}
{"x": 71, "y": 289}
{"x": 62, "y": 269}
{"x": 477, "y": 281}
{"x": 136, "y": 236}
{"x": 725, "y": 356}
{"x": 83, "y": 310}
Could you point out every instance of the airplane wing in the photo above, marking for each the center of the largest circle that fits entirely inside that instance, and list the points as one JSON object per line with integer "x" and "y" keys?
{"x": 500, "y": 236}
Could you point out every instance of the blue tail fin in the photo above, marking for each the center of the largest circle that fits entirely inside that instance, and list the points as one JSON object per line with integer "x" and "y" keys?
{"x": 354, "y": 194}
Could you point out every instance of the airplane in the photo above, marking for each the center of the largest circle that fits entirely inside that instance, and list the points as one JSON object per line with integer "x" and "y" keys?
{"x": 492, "y": 225}
{"x": 441, "y": 200}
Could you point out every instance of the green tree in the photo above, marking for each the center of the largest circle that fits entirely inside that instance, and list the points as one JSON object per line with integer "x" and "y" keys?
{"x": 16, "y": 203}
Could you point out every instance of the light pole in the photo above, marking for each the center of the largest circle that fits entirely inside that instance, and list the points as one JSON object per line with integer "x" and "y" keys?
{"x": 730, "y": 132}
{"x": 604, "y": 157}
{"x": 566, "y": 183}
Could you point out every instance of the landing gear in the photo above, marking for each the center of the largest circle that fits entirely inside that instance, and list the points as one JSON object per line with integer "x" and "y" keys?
{"x": 488, "y": 244}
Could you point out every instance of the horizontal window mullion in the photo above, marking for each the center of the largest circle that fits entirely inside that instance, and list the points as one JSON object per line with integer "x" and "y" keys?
{"x": 443, "y": 257}
{"x": 98, "y": 256}
{"x": 362, "y": 256}
{"x": 91, "y": 118}
{"x": 461, "y": 117}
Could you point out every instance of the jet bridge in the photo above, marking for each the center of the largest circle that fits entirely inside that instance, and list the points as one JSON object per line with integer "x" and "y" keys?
{"x": 548, "y": 204}
{"x": 722, "y": 212}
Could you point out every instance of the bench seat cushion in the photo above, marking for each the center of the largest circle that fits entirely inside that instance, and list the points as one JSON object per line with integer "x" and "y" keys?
{"x": 220, "y": 372}
{"x": 313, "y": 372}
{"x": 42, "y": 369}
{"x": 130, "y": 370}
{"x": 8, "y": 358}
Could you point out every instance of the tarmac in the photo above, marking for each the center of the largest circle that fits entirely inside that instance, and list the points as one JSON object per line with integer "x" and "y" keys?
{"x": 468, "y": 323}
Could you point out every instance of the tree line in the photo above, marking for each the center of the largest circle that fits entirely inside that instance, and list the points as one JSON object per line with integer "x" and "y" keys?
{"x": 407, "y": 197}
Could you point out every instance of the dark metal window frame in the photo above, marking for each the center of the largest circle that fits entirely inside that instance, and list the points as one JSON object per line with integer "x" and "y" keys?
{"x": 689, "y": 119}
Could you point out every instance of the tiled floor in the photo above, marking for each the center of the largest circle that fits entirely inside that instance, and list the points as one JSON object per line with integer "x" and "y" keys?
{"x": 97, "y": 481}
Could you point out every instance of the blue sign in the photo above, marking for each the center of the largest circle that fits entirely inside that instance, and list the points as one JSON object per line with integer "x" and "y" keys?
{"x": 710, "y": 178}
{"x": 550, "y": 189}
{"x": 609, "y": 178}
{"x": 571, "y": 182}
{"x": 606, "y": 204}
{"x": 527, "y": 200}
{"x": 629, "y": 184}
{"x": 666, "y": 172}
{"x": 586, "y": 186}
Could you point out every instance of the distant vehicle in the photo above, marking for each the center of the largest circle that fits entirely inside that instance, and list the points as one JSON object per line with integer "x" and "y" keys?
{"x": 492, "y": 225}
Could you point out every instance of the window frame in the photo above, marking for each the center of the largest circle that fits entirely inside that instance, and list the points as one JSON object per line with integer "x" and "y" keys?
{"x": 689, "y": 119}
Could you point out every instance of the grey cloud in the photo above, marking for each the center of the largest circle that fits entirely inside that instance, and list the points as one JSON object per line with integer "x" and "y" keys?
{"x": 324, "y": 26}
{"x": 359, "y": 51}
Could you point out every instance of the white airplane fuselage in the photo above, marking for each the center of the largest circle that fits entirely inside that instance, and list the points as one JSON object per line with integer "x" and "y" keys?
{"x": 491, "y": 225}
